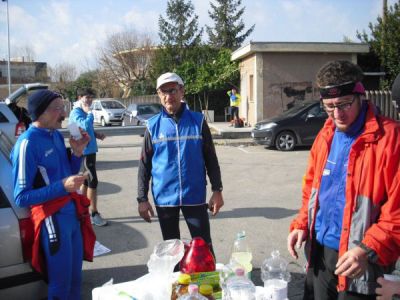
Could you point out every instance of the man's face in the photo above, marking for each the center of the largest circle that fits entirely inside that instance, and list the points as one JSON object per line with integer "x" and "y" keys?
{"x": 53, "y": 116}
{"x": 87, "y": 99}
{"x": 171, "y": 95}
{"x": 343, "y": 110}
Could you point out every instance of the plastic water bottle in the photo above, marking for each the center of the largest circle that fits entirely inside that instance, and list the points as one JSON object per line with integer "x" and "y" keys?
{"x": 193, "y": 294}
{"x": 239, "y": 287}
{"x": 241, "y": 253}
{"x": 275, "y": 276}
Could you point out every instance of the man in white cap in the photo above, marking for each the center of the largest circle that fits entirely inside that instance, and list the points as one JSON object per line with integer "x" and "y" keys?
{"x": 177, "y": 151}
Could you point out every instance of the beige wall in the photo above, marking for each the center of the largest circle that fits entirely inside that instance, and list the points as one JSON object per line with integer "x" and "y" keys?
{"x": 279, "y": 79}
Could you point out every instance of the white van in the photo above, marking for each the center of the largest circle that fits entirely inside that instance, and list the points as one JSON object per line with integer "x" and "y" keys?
{"x": 107, "y": 111}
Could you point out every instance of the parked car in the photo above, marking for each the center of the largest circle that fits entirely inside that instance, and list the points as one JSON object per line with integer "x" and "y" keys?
{"x": 107, "y": 111}
{"x": 17, "y": 279}
{"x": 138, "y": 114}
{"x": 296, "y": 126}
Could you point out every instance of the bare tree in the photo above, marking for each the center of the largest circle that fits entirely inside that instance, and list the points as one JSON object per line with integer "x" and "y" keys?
{"x": 126, "y": 58}
{"x": 63, "y": 75}
{"x": 25, "y": 52}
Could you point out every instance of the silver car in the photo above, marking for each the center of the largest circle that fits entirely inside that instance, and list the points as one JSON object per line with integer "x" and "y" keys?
{"x": 107, "y": 111}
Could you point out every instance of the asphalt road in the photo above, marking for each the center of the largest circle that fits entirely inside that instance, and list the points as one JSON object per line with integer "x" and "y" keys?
{"x": 262, "y": 193}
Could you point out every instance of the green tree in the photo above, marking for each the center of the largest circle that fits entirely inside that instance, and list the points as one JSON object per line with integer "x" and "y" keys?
{"x": 228, "y": 24}
{"x": 178, "y": 34}
{"x": 384, "y": 42}
{"x": 180, "y": 28}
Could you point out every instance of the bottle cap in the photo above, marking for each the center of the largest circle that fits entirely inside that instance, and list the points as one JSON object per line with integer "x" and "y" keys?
{"x": 206, "y": 289}
{"x": 184, "y": 278}
{"x": 193, "y": 288}
{"x": 239, "y": 272}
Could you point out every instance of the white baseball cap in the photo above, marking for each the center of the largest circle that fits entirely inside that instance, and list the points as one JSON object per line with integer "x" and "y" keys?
{"x": 169, "y": 77}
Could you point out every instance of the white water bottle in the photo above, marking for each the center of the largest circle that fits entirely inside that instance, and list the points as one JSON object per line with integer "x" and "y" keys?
{"x": 275, "y": 276}
{"x": 241, "y": 253}
{"x": 239, "y": 287}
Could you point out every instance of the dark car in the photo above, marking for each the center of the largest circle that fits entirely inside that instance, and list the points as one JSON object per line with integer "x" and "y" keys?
{"x": 139, "y": 113}
{"x": 296, "y": 126}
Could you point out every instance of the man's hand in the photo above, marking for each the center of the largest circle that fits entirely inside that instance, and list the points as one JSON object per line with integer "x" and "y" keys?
{"x": 352, "y": 263}
{"x": 146, "y": 211}
{"x": 387, "y": 289}
{"x": 296, "y": 239}
{"x": 79, "y": 145}
{"x": 216, "y": 202}
{"x": 73, "y": 183}
{"x": 100, "y": 136}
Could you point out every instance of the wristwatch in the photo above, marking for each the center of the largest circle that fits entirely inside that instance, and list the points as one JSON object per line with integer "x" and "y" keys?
{"x": 371, "y": 254}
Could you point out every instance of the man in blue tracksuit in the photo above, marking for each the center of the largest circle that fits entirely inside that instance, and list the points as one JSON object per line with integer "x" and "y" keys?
{"x": 177, "y": 152}
{"x": 82, "y": 115}
{"x": 43, "y": 171}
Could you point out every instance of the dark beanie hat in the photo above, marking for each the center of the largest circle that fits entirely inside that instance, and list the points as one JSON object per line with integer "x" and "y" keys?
{"x": 39, "y": 101}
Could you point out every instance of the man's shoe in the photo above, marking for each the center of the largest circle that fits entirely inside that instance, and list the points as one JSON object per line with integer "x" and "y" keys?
{"x": 98, "y": 220}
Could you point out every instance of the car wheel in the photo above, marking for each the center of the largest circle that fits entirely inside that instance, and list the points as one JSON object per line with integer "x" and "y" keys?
{"x": 103, "y": 122}
{"x": 285, "y": 141}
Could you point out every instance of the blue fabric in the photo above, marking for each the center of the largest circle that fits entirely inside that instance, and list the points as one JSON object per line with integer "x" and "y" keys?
{"x": 64, "y": 267}
{"x": 41, "y": 149}
{"x": 85, "y": 121}
{"x": 178, "y": 168}
{"x": 332, "y": 193}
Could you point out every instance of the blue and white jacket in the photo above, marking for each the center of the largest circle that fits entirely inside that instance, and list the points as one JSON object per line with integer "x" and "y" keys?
{"x": 85, "y": 121}
{"x": 178, "y": 169}
{"x": 41, "y": 150}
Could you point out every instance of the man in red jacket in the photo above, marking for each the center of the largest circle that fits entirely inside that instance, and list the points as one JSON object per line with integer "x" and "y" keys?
{"x": 350, "y": 214}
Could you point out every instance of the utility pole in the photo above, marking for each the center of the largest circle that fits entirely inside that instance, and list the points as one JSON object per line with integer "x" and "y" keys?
{"x": 8, "y": 38}
{"x": 384, "y": 16}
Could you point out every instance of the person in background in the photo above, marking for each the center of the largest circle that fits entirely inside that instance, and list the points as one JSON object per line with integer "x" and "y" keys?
{"x": 389, "y": 290}
{"x": 82, "y": 115}
{"x": 350, "y": 213}
{"x": 234, "y": 98}
{"x": 177, "y": 151}
{"x": 45, "y": 180}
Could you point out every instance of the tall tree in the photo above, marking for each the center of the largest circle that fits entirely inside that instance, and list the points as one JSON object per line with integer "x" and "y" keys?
{"x": 180, "y": 28}
{"x": 384, "y": 42}
{"x": 179, "y": 33}
{"x": 228, "y": 24}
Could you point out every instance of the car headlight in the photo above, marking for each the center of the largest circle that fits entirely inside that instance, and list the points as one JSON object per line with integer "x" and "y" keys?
{"x": 266, "y": 126}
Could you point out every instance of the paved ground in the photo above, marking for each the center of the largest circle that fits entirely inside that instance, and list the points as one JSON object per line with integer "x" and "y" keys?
{"x": 261, "y": 191}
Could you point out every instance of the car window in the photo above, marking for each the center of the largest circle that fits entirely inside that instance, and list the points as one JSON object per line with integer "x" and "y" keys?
{"x": 3, "y": 118}
{"x": 317, "y": 111}
{"x": 112, "y": 104}
{"x": 3, "y": 200}
{"x": 148, "y": 109}
{"x": 295, "y": 109}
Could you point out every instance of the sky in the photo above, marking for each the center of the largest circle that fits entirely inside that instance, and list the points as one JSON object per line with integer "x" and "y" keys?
{"x": 71, "y": 31}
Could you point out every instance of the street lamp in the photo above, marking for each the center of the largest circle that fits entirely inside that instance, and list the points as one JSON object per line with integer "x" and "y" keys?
{"x": 8, "y": 40}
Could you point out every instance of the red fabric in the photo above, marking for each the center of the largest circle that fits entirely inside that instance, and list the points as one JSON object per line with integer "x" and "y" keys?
{"x": 42, "y": 211}
{"x": 373, "y": 174}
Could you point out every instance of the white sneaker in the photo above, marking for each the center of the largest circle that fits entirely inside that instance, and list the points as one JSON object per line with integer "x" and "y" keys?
{"x": 98, "y": 220}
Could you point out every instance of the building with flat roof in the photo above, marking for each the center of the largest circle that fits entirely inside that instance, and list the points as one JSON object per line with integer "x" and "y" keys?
{"x": 274, "y": 75}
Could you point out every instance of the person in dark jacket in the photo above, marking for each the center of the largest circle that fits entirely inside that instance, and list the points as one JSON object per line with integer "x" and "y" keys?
{"x": 177, "y": 152}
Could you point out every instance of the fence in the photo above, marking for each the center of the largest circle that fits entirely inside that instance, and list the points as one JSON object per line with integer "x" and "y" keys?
{"x": 383, "y": 100}
{"x": 141, "y": 99}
